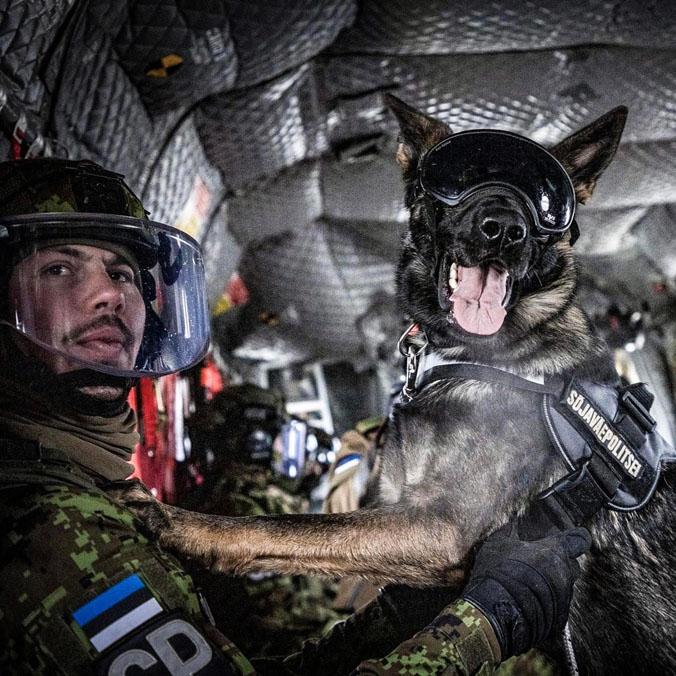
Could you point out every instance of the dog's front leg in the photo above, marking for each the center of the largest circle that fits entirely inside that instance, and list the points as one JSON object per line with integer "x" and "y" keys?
{"x": 381, "y": 544}
{"x": 386, "y": 544}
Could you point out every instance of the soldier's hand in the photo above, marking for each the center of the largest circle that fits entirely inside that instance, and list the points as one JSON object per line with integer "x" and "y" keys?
{"x": 525, "y": 587}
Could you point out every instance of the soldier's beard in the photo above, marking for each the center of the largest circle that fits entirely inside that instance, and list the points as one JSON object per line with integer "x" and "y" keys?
{"x": 103, "y": 392}
{"x": 93, "y": 392}
{"x": 84, "y": 390}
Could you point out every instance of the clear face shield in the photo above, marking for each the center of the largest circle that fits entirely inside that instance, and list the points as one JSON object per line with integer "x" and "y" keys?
{"x": 115, "y": 294}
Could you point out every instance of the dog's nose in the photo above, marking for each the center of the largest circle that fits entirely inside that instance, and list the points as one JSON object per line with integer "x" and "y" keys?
{"x": 515, "y": 233}
{"x": 492, "y": 231}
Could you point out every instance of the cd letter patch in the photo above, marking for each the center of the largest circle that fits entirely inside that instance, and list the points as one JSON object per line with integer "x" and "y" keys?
{"x": 159, "y": 640}
{"x": 170, "y": 646}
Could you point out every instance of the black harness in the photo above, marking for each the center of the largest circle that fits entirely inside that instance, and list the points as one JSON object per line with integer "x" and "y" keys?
{"x": 604, "y": 433}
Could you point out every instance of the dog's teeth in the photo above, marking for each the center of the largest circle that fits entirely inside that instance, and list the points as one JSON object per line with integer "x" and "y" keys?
{"x": 453, "y": 277}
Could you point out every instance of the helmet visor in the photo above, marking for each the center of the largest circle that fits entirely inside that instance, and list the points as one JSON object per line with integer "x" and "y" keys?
{"x": 468, "y": 161}
{"x": 120, "y": 295}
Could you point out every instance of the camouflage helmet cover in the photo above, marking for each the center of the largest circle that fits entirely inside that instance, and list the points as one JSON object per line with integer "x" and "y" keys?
{"x": 51, "y": 185}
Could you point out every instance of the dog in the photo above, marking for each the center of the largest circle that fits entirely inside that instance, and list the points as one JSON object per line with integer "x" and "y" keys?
{"x": 464, "y": 456}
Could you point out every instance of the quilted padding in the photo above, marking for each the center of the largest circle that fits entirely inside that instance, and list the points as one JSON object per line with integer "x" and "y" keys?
{"x": 28, "y": 28}
{"x": 273, "y": 37}
{"x": 481, "y": 26}
{"x": 292, "y": 200}
{"x": 259, "y": 127}
{"x": 98, "y": 113}
{"x": 259, "y": 131}
{"x": 221, "y": 255}
{"x": 184, "y": 188}
{"x": 176, "y": 52}
{"x": 322, "y": 277}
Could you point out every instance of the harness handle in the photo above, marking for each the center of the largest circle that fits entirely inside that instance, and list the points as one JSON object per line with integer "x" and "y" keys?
{"x": 571, "y": 500}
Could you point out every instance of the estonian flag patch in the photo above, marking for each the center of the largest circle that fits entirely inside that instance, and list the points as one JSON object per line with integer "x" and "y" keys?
{"x": 346, "y": 462}
{"x": 117, "y": 612}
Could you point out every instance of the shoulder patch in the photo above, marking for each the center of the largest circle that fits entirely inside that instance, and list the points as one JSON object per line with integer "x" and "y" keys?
{"x": 168, "y": 646}
{"x": 346, "y": 462}
{"x": 117, "y": 612}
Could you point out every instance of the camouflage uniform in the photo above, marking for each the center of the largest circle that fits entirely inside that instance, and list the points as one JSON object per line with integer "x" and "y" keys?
{"x": 533, "y": 663}
{"x": 83, "y": 592}
{"x": 66, "y": 546}
{"x": 458, "y": 642}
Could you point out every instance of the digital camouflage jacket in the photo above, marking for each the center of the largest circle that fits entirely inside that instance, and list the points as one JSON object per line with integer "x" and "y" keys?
{"x": 83, "y": 592}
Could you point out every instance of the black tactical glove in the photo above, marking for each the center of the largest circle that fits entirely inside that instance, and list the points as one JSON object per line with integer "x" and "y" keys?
{"x": 525, "y": 588}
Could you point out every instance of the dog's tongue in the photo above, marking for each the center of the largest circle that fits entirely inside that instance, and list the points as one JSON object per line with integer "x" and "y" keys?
{"x": 477, "y": 301}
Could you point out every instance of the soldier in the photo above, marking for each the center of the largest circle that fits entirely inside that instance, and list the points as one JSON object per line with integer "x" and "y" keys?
{"x": 273, "y": 613}
{"x": 356, "y": 462}
{"x": 94, "y": 295}
{"x": 351, "y": 475}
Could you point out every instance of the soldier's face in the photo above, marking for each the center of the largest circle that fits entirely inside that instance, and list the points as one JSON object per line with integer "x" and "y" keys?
{"x": 82, "y": 301}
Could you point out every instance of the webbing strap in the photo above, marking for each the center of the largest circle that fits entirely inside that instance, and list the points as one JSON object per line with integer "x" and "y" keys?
{"x": 572, "y": 499}
{"x": 635, "y": 402}
{"x": 24, "y": 462}
{"x": 489, "y": 374}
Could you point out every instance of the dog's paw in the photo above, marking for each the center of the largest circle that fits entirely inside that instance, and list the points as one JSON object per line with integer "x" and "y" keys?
{"x": 138, "y": 499}
{"x": 214, "y": 540}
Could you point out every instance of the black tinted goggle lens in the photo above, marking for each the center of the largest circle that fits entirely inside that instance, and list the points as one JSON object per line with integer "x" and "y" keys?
{"x": 468, "y": 161}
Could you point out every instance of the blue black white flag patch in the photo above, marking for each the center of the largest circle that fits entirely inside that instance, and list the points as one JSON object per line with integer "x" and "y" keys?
{"x": 117, "y": 612}
{"x": 347, "y": 462}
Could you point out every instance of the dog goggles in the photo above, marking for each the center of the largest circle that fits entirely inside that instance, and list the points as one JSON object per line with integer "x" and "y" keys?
{"x": 466, "y": 162}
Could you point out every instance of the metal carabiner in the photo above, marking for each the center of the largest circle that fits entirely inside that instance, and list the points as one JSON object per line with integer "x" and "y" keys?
{"x": 411, "y": 348}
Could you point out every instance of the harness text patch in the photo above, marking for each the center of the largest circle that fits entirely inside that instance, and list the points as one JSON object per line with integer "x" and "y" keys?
{"x": 604, "y": 432}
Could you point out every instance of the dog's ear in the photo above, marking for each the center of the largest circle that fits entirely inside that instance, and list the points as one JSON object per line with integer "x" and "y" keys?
{"x": 418, "y": 133}
{"x": 586, "y": 153}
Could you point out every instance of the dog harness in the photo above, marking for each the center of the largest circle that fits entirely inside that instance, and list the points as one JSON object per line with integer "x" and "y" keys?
{"x": 603, "y": 432}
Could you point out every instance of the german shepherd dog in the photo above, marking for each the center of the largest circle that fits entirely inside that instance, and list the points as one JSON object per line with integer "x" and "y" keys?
{"x": 464, "y": 457}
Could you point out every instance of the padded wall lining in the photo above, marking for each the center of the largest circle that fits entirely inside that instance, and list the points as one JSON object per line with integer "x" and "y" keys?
{"x": 481, "y": 26}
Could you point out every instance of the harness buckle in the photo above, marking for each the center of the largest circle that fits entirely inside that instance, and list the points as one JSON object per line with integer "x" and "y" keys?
{"x": 635, "y": 407}
{"x": 577, "y": 496}
{"x": 411, "y": 345}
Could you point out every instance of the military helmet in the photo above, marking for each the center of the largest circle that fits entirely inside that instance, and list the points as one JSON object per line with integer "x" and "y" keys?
{"x": 50, "y": 203}
{"x": 243, "y": 421}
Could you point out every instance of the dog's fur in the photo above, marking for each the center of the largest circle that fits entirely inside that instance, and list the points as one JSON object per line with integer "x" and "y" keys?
{"x": 464, "y": 457}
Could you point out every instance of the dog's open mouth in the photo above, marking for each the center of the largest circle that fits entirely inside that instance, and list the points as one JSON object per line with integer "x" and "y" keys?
{"x": 474, "y": 297}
